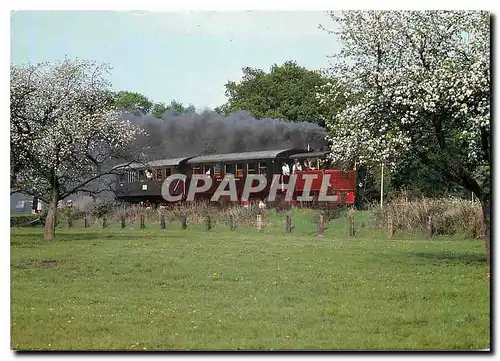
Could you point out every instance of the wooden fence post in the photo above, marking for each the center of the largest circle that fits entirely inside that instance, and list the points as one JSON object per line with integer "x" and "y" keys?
{"x": 232, "y": 223}
{"x": 390, "y": 229}
{"x": 142, "y": 222}
{"x": 429, "y": 227}
{"x": 320, "y": 225}
{"x": 288, "y": 224}
{"x": 183, "y": 222}
{"x": 208, "y": 223}
{"x": 352, "y": 230}
{"x": 70, "y": 222}
{"x": 162, "y": 221}
{"x": 123, "y": 221}
{"x": 86, "y": 222}
{"x": 259, "y": 222}
{"x": 104, "y": 222}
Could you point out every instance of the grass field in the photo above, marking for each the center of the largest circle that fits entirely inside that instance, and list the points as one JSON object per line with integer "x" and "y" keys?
{"x": 152, "y": 289}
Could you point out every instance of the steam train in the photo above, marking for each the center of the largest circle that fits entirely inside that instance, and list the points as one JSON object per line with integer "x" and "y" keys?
{"x": 143, "y": 182}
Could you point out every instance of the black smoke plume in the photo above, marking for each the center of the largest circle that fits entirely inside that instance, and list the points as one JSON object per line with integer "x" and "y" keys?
{"x": 191, "y": 134}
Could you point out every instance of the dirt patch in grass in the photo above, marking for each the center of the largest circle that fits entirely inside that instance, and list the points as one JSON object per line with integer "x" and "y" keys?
{"x": 43, "y": 264}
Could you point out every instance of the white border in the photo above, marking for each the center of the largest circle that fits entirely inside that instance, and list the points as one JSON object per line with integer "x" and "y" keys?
{"x": 7, "y": 6}
{"x": 228, "y": 5}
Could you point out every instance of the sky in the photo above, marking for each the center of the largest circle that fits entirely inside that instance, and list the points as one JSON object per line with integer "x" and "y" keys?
{"x": 186, "y": 56}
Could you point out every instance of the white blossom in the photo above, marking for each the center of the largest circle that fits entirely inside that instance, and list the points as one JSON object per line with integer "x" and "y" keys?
{"x": 408, "y": 68}
{"x": 64, "y": 128}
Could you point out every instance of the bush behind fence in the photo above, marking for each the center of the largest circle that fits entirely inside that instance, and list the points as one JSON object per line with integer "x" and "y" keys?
{"x": 449, "y": 216}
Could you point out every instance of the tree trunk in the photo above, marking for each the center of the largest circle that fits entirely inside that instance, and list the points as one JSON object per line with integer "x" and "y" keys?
{"x": 485, "y": 204}
{"x": 50, "y": 222}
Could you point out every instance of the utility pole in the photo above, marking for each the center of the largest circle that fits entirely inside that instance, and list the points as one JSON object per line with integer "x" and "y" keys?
{"x": 382, "y": 187}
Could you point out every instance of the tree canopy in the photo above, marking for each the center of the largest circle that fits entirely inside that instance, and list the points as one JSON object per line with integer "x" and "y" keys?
{"x": 138, "y": 104}
{"x": 132, "y": 102}
{"x": 287, "y": 92}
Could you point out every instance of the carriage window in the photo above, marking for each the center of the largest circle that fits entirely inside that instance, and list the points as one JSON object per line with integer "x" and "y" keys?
{"x": 239, "y": 170}
{"x": 197, "y": 170}
{"x": 229, "y": 168}
{"x": 217, "y": 168}
{"x": 262, "y": 168}
{"x": 159, "y": 174}
{"x": 251, "y": 168}
{"x": 168, "y": 172}
{"x": 206, "y": 169}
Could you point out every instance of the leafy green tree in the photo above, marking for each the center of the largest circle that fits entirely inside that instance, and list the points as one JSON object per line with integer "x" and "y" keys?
{"x": 190, "y": 109}
{"x": 134, "y": 103}
{"x": 419, "y": 180}
{"x": 287, "y": 92}
{"x": 176, "y": 107}
{"x": 158, "y": 110}
{"x": 179, "y": 108}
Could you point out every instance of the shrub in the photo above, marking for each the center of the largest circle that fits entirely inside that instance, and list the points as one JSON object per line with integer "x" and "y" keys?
{"x": 101, "y": 208}
{"x": 23, "y": 220}
{"x": 449, "y": 216}
{"x": 65, "y": 212}
{"x": 196, "y": 213}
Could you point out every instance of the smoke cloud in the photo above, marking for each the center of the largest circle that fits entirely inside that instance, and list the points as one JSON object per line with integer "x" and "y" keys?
{"x": 191, "y": 134}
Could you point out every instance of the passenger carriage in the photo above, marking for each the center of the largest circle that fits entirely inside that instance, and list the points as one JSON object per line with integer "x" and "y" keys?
{"x": 143, "y": 182}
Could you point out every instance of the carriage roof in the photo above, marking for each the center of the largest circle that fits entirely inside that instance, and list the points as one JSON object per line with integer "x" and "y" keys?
{"x": 154, "y": 163}
{"x": 228, "y": 157}
{"x": 309, "y": 155}
{"x": 244, "y": 156}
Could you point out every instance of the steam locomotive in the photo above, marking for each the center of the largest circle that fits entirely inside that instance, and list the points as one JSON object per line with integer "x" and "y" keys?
{"x": 143, "y": 182}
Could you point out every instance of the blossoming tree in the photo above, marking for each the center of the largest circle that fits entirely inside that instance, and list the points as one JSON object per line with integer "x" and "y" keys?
{"x": 421, "y": 87}
{"x": 65, "y": 132}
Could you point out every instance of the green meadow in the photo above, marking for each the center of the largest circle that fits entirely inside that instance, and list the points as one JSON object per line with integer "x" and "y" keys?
{"x": 151, "y": 289}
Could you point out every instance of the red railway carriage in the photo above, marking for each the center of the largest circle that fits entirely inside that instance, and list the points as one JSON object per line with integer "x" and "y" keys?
{"x": 142, "y": 183}
{"x": 341, "y": 184}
